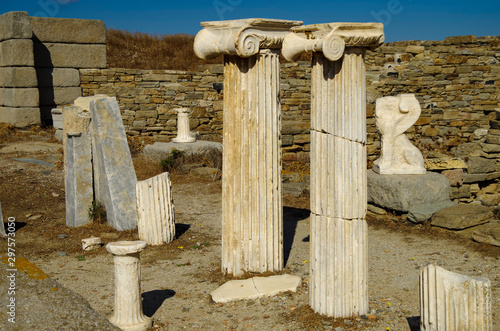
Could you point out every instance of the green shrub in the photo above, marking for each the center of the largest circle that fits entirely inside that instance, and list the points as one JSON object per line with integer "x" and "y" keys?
{"x": 97, "y": 212}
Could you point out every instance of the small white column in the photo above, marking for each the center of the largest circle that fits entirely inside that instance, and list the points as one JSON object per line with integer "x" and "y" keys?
{"x": 339, "y": 233}
{"x": 183, "y": 131}
{"x": 128, "y": 313}
{"x": 451, "y": 301}
{"x": 252, "y": 216}
{"x": 155, "y": 210}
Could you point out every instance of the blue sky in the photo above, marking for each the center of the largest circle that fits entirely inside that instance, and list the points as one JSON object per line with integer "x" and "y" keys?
{"x": 403, "y": 19}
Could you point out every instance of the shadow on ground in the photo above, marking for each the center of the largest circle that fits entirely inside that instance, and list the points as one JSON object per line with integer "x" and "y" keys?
{"x": 291, "y": 216}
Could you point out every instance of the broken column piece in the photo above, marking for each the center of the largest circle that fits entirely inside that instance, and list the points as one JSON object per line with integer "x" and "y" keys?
{"x": 128, "y": 313}
{"x": 113, "y": 165}
{"x": 183, "y": 133}
{"x": 339, "y": 247}
{"x": 155, "y": 210}
{"x": 252, "y": 229}
{"x": 451, "y": 301}
{"x": 395, "y": 115}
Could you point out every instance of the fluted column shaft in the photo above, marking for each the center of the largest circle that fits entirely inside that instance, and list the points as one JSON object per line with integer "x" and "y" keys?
{"x": 252, "y": 235}
{"x": 183, "y": 130}
{"x": 339, "y": 250}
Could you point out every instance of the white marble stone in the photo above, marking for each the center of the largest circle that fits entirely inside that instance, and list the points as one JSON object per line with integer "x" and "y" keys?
{"x": 128, "y": 313}
{"x": 451, "y": 301}
{"x": 339, "y": 237}
{"x": 155, "y": 210}
{"x": 2, "y": 226}
{"x": 183, "y": 132}
{"x": 252, "y": 220}
{"x": 89, "y": 244}
{"x": 398, "y": 156}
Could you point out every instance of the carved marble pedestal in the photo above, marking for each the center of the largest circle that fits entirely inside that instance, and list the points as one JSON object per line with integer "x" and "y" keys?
{"x": 128, "y": 313}
{"x": 183, "y": 132}
{"x": 339, "y": 248}
{"x": 252, "y": 237}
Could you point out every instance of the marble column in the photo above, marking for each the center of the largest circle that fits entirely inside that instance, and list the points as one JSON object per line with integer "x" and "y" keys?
{"x": 252, "y": 219}
{"x": 128, "y": 313}
{"x": 183, "y": 131}
{"x": 339, "y": 248}
{"x": 451, "y": 301}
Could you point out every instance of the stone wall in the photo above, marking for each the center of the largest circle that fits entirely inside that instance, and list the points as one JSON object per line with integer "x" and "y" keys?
{"x": 39, "y": 62}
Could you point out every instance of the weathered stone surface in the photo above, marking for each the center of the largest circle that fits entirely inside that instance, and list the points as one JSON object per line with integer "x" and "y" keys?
{"x": 460, "y": 192}
{"x": 455, "y": 176}
{"x": 395, "y": 115}
{"x": 2, "y": 226}
{"x": 57, "y": 118}
{"x": 480, "y": 165}
{"x": 113, "y": 163}
{"x": 58, "y": 77}
{"x": 20, "y": 117}
{"x": 19, "y": 97}
{"x": 457, "y": 40}
{"x": 461, "y": 217}
{"x": 421, "y": 214}
{"x": 403, "y": 192}
{"x": 89, "y": 244}
{"x": 16, "y": 53}
{"x": 68, "y": 30}
{"x": 255, "y": 288}
{"x": 445, "y": 163}
{"x": 15, "y": 25}
{"x": 59, "y": 96}
{"x": 160, "y": 150}
{"x": 490, "y": 148}
{"x": 488, "y": 234}
{"x": 79, "y": 190}
{"x": 50, "y": 55}
{"x": 18, "y": 77}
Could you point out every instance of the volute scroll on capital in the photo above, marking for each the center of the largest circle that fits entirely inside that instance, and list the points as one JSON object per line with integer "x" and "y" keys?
{"x": 243, "y": 37}
{"x": 331, "y": 39}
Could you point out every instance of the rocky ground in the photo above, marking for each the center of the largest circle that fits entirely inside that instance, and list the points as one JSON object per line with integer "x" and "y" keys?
{"x": 177, "y": 278}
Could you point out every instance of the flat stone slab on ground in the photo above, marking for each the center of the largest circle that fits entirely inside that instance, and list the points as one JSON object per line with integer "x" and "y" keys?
{"x": 461, "y": 217}
{"x": 403, "y": 192}
{"x": 488, "y": 234}
{"x": 160, "y": 150}
{"x": 422, "y": 213}
{"x": 34, "y": 161}
{"x": 256, "y": 287}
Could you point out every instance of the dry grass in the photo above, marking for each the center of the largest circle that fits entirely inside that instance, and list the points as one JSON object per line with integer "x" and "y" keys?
{"x": 136, "y": 50}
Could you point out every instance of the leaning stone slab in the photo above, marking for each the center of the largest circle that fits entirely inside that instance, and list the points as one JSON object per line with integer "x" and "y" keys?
{"x": 70, "y": 55}
{"x": 488, "y": 234}
{"x": 155, "y": 210}
{"x": 113, "y": 164}
{"x": 68, "y": 30}
{"x": 2, "y": 226}
{"x": 15, "y": 25}
{"x": 18, "y": 77}
{"x": 160, "y": 150}
{"x": 420, "y": 214}
{"x": 403, "y": 192}
{"x": 79, "y": 183}
{"x": 20, "y": 117}
{"x": 451, "y": 301}
{"x": 254, "y": 288}
{"x": 461, "y": 217}
{"x": 17, "y": 53}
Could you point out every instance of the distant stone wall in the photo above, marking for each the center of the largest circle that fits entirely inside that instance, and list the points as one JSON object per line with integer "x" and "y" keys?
{"x": 39, "y": 62}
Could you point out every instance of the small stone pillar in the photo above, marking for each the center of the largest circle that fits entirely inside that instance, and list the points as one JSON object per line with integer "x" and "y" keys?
{"x": 128, "y": 313}
{"x": 252, "y": 229}
{"x": 2, "y": 226}
{"x": 155, "y": 210}
{"x": 451, "y": 301}
{"x": 339, "y": 248}
{"x": 183, "y": 131}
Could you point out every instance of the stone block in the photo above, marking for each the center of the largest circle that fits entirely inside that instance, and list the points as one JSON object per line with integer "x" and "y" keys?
{"x": 443, "y": 163}
{"x": 455, "y": 176}
{"x": 451, "y": 301}
{"x": 59, "y": 96}
{"x": 457, "y": 40}
{"x": 89, "y": 244}
{"x": 403, "y": 192}
{"x": 294, "y": 127}
{"x": 421, "y": 214}
{"x": 15, "y": 25}
{"x": 79, "y": 189}
{"x": 19, "y": 97}
{"x": 17, "y": 53}
{"x": 58, "y": 77}
{"x": 488, "y": 234}
{"x": 159, "y": 150}
{"x": 115, "y": 175}
{"x": 155, "y": 210}
{"x": 18, "y": 77}
{"x": 461, "y": 217}
{"x": 50, "y": 55}
{"x": 68, "y": 30}
{"x": 57, "y": 118}
{"x": 480, "y": 165}
{"x": 20, "y": 117}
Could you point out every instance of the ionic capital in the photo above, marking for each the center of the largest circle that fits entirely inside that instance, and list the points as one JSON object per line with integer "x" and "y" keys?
{"x": 243, "y": 37}
{"x": 331, "y": 39}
